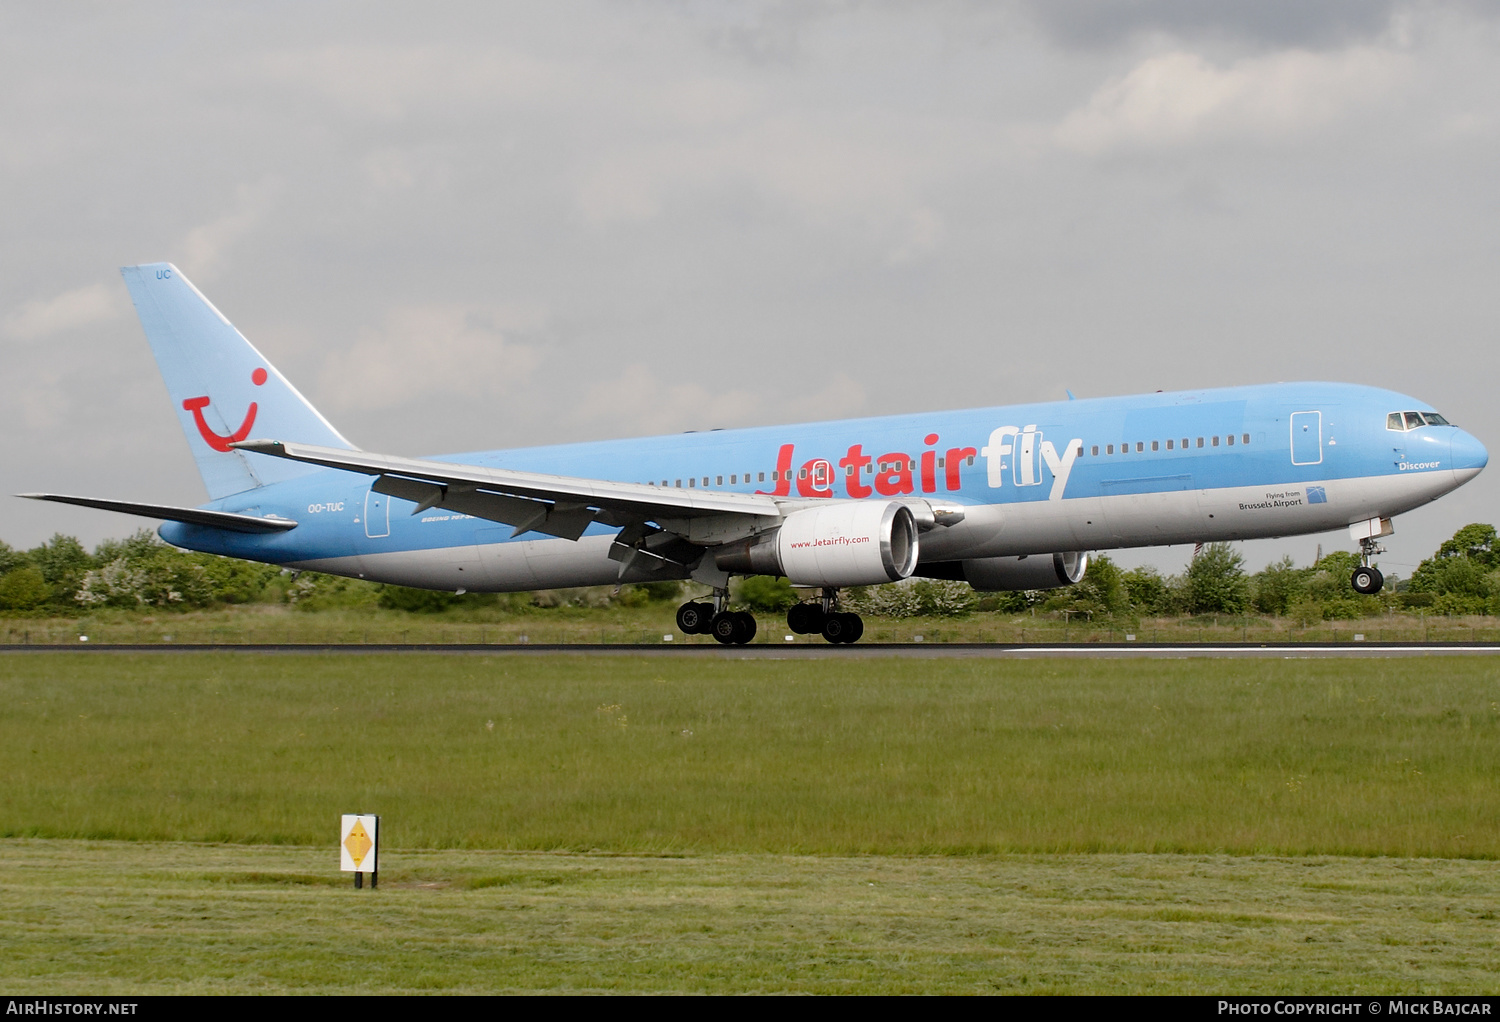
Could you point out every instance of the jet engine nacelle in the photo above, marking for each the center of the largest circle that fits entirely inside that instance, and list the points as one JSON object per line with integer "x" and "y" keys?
{"x": 1008, "y": 574}
{"x": 855, "y": 543}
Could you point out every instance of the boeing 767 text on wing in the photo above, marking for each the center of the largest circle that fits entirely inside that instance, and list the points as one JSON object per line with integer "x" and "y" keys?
{"x": 1004, "y": 498}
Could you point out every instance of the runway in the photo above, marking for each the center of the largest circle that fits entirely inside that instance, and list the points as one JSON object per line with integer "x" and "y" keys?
{"x": 810, "y": 651}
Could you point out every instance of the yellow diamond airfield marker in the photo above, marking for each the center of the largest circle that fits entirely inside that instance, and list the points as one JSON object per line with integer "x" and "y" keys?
{"x": 359, "y": 844}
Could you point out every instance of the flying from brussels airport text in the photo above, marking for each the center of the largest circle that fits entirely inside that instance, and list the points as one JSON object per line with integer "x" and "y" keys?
{"x": 1004, "y": 498}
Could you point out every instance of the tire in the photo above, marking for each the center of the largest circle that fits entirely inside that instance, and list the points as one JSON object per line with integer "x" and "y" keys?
{"x": 726, "y": 628}
{"x": 805, "y": 619}
{"x": 856, "y": 627}
{"x": 1367, "y": 581}
{"x": 836, "y": 628}
{"x": 746, "y": 630}
{"x": 695, "y": 618}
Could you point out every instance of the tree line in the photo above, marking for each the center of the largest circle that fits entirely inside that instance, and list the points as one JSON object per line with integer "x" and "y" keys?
{"x": 1462, "y": 577}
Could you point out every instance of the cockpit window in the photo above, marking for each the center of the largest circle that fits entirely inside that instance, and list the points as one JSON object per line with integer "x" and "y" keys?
{"x": 1414, "y": 420}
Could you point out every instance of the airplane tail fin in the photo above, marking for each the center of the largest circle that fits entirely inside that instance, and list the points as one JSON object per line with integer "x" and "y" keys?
{"x": 222, "y": 388}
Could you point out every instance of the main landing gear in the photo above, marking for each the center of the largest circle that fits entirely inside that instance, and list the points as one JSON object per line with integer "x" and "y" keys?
{"x": 737, "y": 627}
{"x": 729, "y": 627}
{"x": 824, "y": 618}
{"x": 1367, "y": 580}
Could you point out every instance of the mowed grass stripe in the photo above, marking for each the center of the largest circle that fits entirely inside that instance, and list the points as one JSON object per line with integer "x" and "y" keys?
{"x": 648, "y": 755}
{"x": 138, "y": 917}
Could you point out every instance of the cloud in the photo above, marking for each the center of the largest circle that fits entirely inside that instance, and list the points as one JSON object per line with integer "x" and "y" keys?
{"x": 875, "y": 176}
{"x": 1277, "y": 23}
{"x": 391, "y": 81}
{"x": 637, "y": 399}
{"x": 84, "y": 306}
{"x": 427, "y": 353}
{"x": 205, "y": 246}
{"x": 638, "y": 402}
{"x": 1179, "y": 97}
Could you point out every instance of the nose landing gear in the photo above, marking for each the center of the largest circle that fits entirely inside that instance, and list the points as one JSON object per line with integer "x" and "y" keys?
{"x": 1367, "y": 580}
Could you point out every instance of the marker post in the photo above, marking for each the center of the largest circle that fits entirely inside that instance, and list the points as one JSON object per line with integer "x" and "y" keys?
{"x": 359, "y": 848}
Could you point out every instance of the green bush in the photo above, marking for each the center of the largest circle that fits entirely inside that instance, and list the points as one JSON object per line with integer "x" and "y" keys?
{"x": 10, "y": 558}
{"x": 416, "y": 601}
{"x": 1215, "y": 582}
{"x": 313, "y": 591}
{"x": 766, "y": 594}
{"x": 1147, "y": 591}
{"x": 23, "y": 588}
{"x": 1278, "y": 586}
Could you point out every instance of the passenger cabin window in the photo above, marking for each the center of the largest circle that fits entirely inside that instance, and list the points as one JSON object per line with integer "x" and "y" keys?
{"x": 1094, "y": 450}
{"x": 1229, "y": 440}
{"x": 1110, "y": 449}
{"x": 1169, "y": 445}
{"x": 1140, "y": 448}
{"x": 1244, "y": 438}
{"x": 1200, "y": 441}
{"x": 1216, "y": 442}
{"x": 1156, "y": 445}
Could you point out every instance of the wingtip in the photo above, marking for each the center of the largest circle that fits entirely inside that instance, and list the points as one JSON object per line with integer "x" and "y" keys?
{"x": 259, "y": 446}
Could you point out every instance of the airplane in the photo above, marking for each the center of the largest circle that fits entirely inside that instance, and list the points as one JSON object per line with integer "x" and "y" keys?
{"x": 1004, "y": 498}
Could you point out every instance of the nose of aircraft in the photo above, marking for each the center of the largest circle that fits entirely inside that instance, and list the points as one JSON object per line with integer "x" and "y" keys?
{"x": 1469, "y": 455}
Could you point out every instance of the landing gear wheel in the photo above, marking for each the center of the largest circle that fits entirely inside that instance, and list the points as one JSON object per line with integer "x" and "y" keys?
{"x": 805, "y": 619}
{"x": 856, "y": 627}
{"x": 843, "y": 628}
{"x": 747, "y": 627}
{"x": 695, "y": 618}
{"x": 725, "y": 627}
{"x": 1367, "y": 581}
{"x": 736, "y": 628}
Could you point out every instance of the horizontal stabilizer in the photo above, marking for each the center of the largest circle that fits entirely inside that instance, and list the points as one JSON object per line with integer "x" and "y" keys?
{"x": 190, "y": 515}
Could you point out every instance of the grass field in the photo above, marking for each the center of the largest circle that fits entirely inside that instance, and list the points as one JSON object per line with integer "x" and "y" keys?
{"x": 268, "y": 623}
{"x": 646, "y": 755}
{"x": 138, "y": 917}
{"x": 645, "y": 823}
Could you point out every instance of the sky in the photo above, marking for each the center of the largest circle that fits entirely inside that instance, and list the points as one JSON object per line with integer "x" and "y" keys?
{"x": 481, "y": 225}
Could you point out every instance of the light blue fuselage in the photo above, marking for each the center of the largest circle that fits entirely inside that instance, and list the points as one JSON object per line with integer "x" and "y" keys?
{"x": 1236, "y": 463}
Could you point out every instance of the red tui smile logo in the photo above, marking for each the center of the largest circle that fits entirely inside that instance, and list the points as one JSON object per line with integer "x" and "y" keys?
{"x": 214, "y": 440}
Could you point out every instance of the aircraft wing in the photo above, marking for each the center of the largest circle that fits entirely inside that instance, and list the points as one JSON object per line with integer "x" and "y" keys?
{"x": 166, "y": 512}
{"x": 531, "y": 501}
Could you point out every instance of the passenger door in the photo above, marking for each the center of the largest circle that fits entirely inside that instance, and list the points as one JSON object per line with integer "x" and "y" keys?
{"x": 1307, "y": 438}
